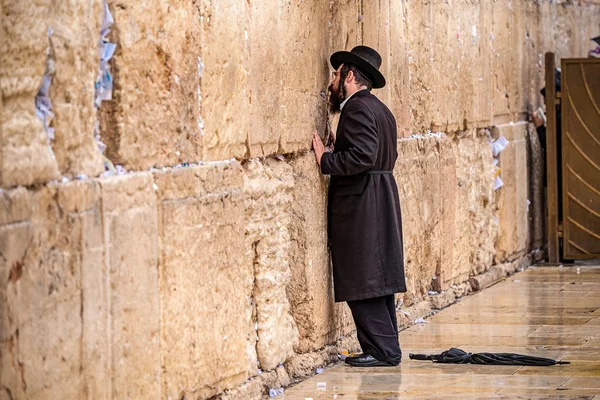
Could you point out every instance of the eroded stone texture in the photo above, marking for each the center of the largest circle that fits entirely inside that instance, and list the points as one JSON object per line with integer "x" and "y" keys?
{"x": 206, "y": 280}
{"x": 26, "y": 157}
{"x": 225, "y": 85}
{"x": 268, "y": 196}
{"x": 45, "y": 346}
{"x": 131, "y": 255}
{"x": 153, "y": 119}
{"x": 476, "y": 226}
{"x": 304, "y": 72}
{"x": 512, "y": 198}
{"x": 319, "y": 319}
{"x": 418, "y": 177}
{"x": 76, "y": 39}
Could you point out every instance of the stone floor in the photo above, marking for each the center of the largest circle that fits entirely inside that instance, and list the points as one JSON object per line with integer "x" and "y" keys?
{"x": 544, "y": 311}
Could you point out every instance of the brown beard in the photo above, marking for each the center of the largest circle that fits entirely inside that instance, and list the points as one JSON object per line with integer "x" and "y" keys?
{"x": 336, "y": 98}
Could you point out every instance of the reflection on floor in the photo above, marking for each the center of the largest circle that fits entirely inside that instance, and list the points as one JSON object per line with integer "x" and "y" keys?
{"x": 544, "y": 311}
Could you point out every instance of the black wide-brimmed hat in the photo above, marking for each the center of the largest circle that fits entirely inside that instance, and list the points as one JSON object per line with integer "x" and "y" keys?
{"x": 596, "y": 39}
{"x": 366, "y": 59}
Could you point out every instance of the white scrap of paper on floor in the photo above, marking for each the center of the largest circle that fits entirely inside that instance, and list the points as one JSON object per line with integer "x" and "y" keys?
{"x": 421, "y": 321}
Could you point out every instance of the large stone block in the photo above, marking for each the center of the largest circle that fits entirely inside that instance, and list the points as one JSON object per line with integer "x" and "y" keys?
{"x": 70, "y": 56}
{"x": 26, "y": 155}
{"x": 449, "y": 64}
{"x": 154, "y": 117}
{"x": 512, "y": 198}
{"x": 319, "y": 319}
{"x": 268, "y": 197}
{"x": 418, "y": 176}
{"x": 43, "y": 306}
{"x": 508, "y": 30}
{"x": 448, "y": 194}
{"x": 397, "y": 68}
{"x": 224, "y": 85}
{"x": 304, "y": 72}
{"x": 76, "y": 38}
{"x": 206, "y": 280}
{"x": 129, "y": 214}
{"x": 475, "y": 224}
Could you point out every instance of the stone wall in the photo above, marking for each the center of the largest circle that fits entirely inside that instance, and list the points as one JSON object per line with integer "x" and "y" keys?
{"x": 204, "y": 270}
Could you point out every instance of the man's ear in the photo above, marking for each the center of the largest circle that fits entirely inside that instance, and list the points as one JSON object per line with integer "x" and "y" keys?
{"x": 350, "y": 77}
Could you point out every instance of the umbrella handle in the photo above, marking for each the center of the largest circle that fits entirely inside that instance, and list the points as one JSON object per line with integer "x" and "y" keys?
{"x": 422, "y": 357}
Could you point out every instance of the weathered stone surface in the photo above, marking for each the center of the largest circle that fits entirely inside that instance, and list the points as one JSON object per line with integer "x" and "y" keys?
{"x": 407, "y": 315}
{"x": 476, "y": 228}
{"x": 153, "y": 119}
{"x": 76, "y": 39}
{"x": 319, "y": 319}
{"x": 26, "y": 156}
{"x": 131, "y": 255}
{"x": 205, "y": 276}
{"x": 508, "y": 29}
{"x": 488, "y": 278}
{"x": 43, "y": 313}
{"x": 225, "y": 85}
{"x": 70, "y": 56}
{"x": 512, "y": 198}
{"x": 418, "y": 176}
{"x": 268, "y": 196}
{"x": 442, "y": 300}
{"x": 304, "y": 72}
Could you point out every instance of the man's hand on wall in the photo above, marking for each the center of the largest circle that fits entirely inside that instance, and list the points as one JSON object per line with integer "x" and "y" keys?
{"x": 318, "y": 147}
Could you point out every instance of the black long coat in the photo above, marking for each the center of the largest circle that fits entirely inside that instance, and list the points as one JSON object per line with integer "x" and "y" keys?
{"x": 365, "y": 224}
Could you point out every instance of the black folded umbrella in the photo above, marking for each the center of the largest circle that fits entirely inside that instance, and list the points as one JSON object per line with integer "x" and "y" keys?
{"x": 458, "y": 356}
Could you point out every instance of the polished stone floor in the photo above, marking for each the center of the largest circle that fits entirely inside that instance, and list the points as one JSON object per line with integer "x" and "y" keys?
{"x": 543, "y": 311}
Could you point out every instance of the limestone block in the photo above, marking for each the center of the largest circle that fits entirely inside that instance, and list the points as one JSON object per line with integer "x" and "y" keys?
{"x": 346, "y": 24}
{"x": 224, "y": 85}
{"x": 509, "y": 33}
{"x": 376, "y": 34}
{"x": 43, "y": 308}
{"x": 476, "y": 229}
{"x": 268, "y": 196}
{"x": 129, "y": 214}
{"x": 205, "y": 277}
{"x": 76, "y": 38}
{"x": 417, "y": 173}
{"x": 154, "y": 117}
{"x": 513, "y": 196}
{"x": 319, "y": 319}
{"x": 442, "y": 300}
{"x": 488, "y": 278}
{"x": 397, "y": 68}
{"x": 448, "y": 194}
{"x": 449, "y": 74}
{"x": 26, "y": 156}
{"x": 304, "y": 72}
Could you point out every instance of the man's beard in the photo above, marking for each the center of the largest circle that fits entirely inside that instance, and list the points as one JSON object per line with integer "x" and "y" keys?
{"x": 336, "y": 98}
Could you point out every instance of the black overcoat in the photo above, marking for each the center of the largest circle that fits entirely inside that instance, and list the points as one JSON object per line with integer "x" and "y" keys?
{"x": 364, "y": 220}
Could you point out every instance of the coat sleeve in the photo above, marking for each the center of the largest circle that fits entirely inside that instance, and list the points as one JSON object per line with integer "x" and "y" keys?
{"x": 360, "y": 132}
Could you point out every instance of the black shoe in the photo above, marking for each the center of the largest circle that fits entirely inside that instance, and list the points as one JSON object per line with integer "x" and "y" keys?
{"x": 354, "y": 357}
{"x": 368, "y": 361}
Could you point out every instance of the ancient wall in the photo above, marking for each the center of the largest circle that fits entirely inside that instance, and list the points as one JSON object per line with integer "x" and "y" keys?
{"x": 201, "y": 268}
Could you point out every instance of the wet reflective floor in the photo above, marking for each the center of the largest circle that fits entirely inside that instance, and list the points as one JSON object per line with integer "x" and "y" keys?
{"x": 543, "y": 311}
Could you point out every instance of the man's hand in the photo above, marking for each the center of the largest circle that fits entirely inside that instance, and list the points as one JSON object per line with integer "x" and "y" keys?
{"x": 318, "y": 147}
{"x": 537, "y": 120}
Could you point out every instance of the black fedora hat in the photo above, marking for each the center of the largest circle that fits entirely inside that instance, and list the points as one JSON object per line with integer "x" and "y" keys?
{"x": 366, "y": 59}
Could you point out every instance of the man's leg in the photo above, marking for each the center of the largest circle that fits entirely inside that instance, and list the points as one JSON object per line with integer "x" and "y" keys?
{"x": 376, "y": 327}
